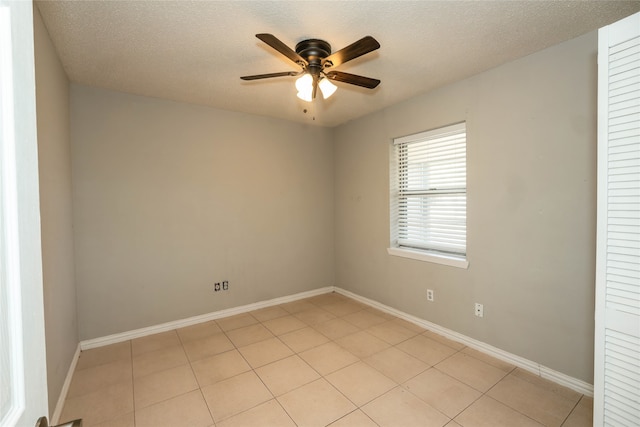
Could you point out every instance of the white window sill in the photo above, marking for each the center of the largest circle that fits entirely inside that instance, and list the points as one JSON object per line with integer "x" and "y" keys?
{"x": 443, "y": 259}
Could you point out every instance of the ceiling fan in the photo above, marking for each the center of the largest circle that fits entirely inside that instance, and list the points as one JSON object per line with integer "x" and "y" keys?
{"x": 317, "y": 62}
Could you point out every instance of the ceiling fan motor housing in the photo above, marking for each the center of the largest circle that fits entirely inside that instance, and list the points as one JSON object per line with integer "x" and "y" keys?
{"x": 313, "y": 51}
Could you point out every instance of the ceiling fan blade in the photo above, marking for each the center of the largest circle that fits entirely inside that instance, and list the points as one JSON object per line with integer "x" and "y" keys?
{"x": 269, "y": 75}
{"x": 275, "y": 43}
{"x": 353, "y": 79}
{"x": 363, "y": 46}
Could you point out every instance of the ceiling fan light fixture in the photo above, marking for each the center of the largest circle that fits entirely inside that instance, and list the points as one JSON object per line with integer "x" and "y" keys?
{"x": 305, "y": 96}
{"x": 305, "y": 87}
{"x": 326, "y": 87}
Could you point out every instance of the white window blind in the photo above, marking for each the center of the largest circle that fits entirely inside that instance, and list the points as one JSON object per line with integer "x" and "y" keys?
{"x": 431, "y": 190}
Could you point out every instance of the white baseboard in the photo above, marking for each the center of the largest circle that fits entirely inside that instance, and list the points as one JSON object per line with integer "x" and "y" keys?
{"x": 55, "y": 417}
{"x": 169, "y": 326}
{"x": 528, "y": 365}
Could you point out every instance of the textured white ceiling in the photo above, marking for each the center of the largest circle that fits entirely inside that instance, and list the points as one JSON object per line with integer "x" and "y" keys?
{"x": 196, "y": 51}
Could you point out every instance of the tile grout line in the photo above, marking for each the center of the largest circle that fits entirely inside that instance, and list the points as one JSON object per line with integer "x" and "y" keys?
{"x": 133, "y": 384}
{"x": 195, "y": 376}
{"x": 572, "y": 409}
{"x": 358, "y": 408}
{"x": 515, "y": 410}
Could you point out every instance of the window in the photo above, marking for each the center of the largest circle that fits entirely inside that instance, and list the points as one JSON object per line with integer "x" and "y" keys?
{"x": 429, "y": 196}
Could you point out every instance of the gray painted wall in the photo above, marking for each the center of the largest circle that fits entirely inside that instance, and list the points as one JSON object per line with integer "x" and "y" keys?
{"x": 54, "y": 163}
{"x": 531, "y": 127}
{"x": 169, "y": 198}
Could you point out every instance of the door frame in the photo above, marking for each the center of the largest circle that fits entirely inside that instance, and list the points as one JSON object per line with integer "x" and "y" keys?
{"x": 20, "y": 253}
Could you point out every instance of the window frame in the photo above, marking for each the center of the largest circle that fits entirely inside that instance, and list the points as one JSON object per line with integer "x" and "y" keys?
{"x": 432, "y": 254}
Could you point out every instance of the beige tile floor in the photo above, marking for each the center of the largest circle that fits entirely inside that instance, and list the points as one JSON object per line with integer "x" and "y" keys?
{"x": 326, "y": 360}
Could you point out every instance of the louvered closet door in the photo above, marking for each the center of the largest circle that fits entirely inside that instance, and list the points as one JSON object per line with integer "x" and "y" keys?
{"x": 617, "y": 340}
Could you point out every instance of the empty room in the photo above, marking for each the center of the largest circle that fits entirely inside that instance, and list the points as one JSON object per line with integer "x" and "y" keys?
{"x": 344, "y": 213}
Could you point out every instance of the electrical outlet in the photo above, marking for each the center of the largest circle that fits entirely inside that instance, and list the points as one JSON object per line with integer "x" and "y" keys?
{"x": 225, "y": 285}
{"x": 216, "y": 286}
{"x": 479, "y": 310}
{"x": 429, "y": 294}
